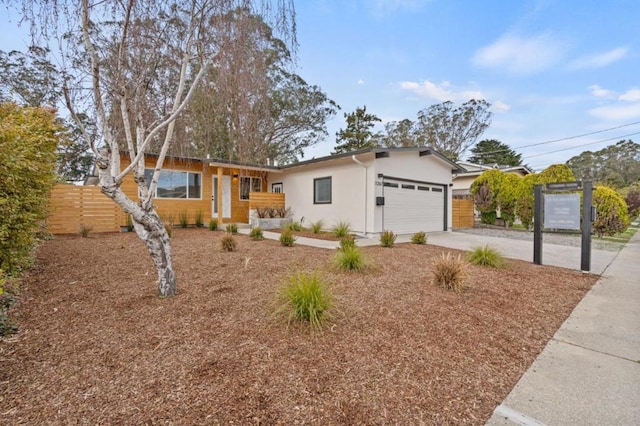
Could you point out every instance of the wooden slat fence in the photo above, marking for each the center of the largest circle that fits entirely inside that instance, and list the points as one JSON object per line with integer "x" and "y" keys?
{"x": 72, "y": 206}
{"x": 266, "y": 199}
{"x": 462, "y": 214}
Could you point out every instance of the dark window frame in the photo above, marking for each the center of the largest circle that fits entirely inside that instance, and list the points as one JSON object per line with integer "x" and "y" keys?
{"x": 315, "y": 190}
{"x": 251, "y": 186}
{"x": 148, "y": 172}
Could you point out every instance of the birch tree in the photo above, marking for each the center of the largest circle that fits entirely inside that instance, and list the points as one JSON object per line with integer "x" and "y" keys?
{"x": 134, "y": 65}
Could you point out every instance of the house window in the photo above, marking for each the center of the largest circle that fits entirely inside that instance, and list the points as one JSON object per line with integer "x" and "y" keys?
{"x": 176, "y": 184}
{"x": 322, "y": 190}
{"x": 276, "y": 187}
{"x": 249, "y": 184}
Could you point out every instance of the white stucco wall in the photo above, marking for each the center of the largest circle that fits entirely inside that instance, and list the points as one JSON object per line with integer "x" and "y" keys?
{"x": 348, "y": 191}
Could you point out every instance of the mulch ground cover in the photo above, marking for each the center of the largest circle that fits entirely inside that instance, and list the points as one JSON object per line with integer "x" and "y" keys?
{"x": 97, "y": 346}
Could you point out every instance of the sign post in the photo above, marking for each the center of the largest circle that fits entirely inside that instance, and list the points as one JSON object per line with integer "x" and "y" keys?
{"x": 587, "y": 218}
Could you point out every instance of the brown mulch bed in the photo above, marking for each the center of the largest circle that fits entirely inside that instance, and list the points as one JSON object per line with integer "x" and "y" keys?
{"x": 97, "y": 346}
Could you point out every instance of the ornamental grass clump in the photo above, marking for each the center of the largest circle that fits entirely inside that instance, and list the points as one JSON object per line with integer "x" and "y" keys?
{"x": 387, "y": 239}
{"x": 213, "y": 224}
{"x": 198, "y": 219}
{"x": 256, "y": 233}
{"x": 449, "y": 272}
{"x": 228, "y": 243}
{"x": 232, "y": 228}
{"x": 316, "y": 227}
{"x": 419, "y": 238}
{"x": 183, "y": 219}
{"x": 341, "y": 229}
{"x": 287, "y": 238}
{"x": 305, "y": 297}
{"x": 85, "y": 230}
{"x": 486, "y": 256}
{"x": 294, "y": 226}
{"x": 350, "y": 258}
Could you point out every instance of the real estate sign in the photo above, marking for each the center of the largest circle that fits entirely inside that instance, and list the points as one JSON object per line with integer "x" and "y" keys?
{"x": 562, "y": 211}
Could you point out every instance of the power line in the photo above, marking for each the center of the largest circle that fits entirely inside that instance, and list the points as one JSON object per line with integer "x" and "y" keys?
{"x": 582, "y": 146}
{"x": 560, "y": 139}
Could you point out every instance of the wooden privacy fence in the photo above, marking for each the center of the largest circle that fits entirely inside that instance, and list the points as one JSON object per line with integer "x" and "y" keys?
{"x": 266, "y": 199}
{"x": 462, "y": 213}
{"x": 71, "y": 207}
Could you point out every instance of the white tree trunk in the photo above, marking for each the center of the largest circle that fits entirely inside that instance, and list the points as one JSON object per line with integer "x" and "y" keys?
{"x": 148, "y": 227}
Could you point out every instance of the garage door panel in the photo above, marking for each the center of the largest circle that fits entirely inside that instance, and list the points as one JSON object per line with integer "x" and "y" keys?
{"x": 412, "y": 210}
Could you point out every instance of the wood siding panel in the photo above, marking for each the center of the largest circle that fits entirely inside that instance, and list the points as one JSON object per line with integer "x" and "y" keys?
{"x": 266, "y": 199}
{"x": 462, "y": 214}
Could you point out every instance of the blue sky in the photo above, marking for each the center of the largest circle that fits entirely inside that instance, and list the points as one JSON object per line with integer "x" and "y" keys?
{"x": 550, "y": 68}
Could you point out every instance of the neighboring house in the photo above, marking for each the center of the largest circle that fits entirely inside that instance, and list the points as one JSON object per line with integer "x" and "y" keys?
{"x": 404, "y": 190}
{"x": 462, "y": 181}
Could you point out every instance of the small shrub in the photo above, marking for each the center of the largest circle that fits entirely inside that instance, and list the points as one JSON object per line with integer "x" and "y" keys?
{"x": 387, "y": 239}
{"x": 305, "y": 297}
{"x": 486, "y": 256}
{"x": 347, "y": 242}
{"x": 294, "y": 226}
{"x": 183, "y": 219}
{"x": 287, "y": 238}
{"x": 228, "y": 243}
{"x": 449, "y": 272}
{"x": 281, "y": 211}
{"x": 85, "y": 230}
{"x": 350, "y": 258}
{"x": 198, "y": 219}
{"x": 213, "y": 224}
{"x": 419, "y": 238}
{"x": 262, "y": 212}
{"x": 129, "y": 223}
{"x": 489, "y": 218}
{"x": 7, "y": 299}
{"x": 341, "y": 229}
{"x": 232, "y": 228}
{"x": 316, "y": 227}
{"x": 256, "y": 233}
{"x": 168, "y": 226}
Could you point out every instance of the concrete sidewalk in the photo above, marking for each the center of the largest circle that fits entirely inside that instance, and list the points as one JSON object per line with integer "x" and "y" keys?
{"x": 589, "y": 373}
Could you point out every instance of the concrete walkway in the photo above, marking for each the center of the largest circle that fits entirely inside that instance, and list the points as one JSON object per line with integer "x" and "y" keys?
{"x": 589, "y": 373}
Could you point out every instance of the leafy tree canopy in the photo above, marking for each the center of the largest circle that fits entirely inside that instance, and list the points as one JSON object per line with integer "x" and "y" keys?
{"x": 615, "y": 165}
{"x": 359, "y": 132}
{"x": 492, "y": 151}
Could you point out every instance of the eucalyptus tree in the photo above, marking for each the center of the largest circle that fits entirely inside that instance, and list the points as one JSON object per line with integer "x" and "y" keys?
{"x": 133, "y": 66}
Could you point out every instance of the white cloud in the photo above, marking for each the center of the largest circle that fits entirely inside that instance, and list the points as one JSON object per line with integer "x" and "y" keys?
{"x": 632, "y": 95}
{"x": 500, "y": 106}
{"x": 617, "y": 112}
{"x": 521, "y": 55}
{"x": 361, "y": 81}
{"x": 600, "y": 60}
{"x": 599, "y": 92}
{"x": 441, "y": 92}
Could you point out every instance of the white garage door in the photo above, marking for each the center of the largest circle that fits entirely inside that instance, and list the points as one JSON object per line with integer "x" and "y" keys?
{"x": 412, "y": 207}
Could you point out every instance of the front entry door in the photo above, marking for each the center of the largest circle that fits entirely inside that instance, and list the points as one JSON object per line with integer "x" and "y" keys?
{"x": 226, "y": 197}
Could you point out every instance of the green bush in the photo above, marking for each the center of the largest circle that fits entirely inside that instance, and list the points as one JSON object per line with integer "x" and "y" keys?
{"x": 232, "y": 228}
{"x": 486, "y": 256}
{"x": 294, "y": 226}
{"x": 305, "y": 297}
{"x": 347, "y": 242}
{"x": 228, "y": 243}
{"x": 7, "y": 299}
{"x": 287, "y": 238}
{"x": 341, "y": 229}
{"x": 612, "y": 215}
{"x": 183, "y": 219}
{"x": 419, "y": 238}
{"x": 633, "y": 200}
{"x": 316, "y": 227}
{"x": 350, "y": 258}
{"x": 256, "y": 233}
{"x": 85, "y": 230}
{"x": 449, "y": 272}
{"x": 213, "y": 224}
{"x": 489, "y": 218}
{"x": 28, "y": 141}
{"x": 387, "y": 239}
{"x": 198, "y": 219}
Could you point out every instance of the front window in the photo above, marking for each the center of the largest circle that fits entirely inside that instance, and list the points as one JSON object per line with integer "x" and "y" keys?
{"x": 322, "y": 190}
{"x": 176, "y": 184}
{"x": 249, "y": 184}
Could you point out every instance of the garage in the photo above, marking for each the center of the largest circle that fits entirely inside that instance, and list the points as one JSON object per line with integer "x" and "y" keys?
{"x": 411, "y": 206}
